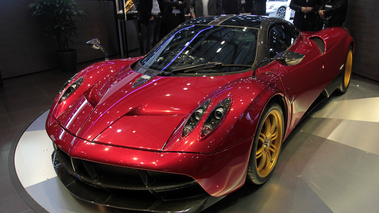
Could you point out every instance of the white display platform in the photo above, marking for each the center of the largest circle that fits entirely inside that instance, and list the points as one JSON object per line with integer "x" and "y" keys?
{"x": 35, "y": 171}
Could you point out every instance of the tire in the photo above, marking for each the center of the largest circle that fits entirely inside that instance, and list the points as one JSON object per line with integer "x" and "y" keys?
{"x": 266, "y": 145}
{"x": 281, "y": 12}
{"x": 346, "y": 75}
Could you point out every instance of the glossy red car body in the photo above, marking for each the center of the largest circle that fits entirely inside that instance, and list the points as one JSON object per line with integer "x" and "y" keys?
{"x": 107, "y": 120}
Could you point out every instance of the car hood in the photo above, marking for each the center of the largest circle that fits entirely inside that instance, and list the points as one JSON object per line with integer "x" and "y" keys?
{"x": 272, "y": 5}
{"x": 115, "y": 112}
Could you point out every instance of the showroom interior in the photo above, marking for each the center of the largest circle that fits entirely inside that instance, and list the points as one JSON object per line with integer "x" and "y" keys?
{"x": 330, "y": 162}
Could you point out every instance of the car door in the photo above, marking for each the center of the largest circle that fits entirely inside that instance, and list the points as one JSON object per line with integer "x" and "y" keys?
{"x": 302, "y": 82}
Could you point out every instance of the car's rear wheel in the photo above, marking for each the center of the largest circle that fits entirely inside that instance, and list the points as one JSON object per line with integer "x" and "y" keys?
{"x": 346, "y": 75}
{"x": 281, "y": 13}
{"x": 266, "y": 145}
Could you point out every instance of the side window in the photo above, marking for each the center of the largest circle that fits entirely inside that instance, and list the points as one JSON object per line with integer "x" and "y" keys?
{"x": 281, "y": 37}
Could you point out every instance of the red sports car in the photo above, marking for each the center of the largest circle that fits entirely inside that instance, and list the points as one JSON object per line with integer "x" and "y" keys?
{"x": 202, "y": 113}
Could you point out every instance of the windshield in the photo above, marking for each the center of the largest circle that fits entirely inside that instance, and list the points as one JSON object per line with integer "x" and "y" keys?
{"x": 195, "y": 45}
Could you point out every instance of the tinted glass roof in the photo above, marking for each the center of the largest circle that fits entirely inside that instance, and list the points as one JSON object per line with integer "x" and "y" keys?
{"x": 240, "y": 20}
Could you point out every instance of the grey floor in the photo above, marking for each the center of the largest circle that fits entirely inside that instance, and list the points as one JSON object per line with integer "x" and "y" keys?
{"x": 330, "y": 163}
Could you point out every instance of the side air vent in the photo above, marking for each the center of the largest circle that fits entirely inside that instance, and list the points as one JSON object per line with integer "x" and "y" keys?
{"x": 320, "y": 43}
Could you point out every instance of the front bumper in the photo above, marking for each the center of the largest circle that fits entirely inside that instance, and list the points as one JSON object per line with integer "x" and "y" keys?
{"x": 86, "y": 181}
{"x": 271, "y": 13}
{"x": 202, "y": 179}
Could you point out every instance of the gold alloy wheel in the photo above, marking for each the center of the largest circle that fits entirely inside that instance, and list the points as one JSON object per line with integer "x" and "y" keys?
{"x": 269, "y": 143}
{"x": 348, "y": 68}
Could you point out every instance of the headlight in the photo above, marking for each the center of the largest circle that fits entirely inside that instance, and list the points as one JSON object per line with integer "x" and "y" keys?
{"x": 216, "y": 116}
{"x": 71, "y": 88}
{"x": 195, "y": 118}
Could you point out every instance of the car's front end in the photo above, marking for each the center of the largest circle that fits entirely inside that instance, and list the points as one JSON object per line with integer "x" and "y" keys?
{"x": 276, "y": 9}
{"x": 151, "y": 149}
{"x": 145, "y": 180}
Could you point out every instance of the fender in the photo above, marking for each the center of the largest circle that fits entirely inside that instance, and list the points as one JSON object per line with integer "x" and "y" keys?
{"x": 93, "y": 74}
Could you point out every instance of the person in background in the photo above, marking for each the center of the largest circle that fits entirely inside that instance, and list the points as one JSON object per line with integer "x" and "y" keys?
{"x": 231, "y": 6}
{"x": 248, "y": 6}
{"x": 173, "y": 15}
{"x": 333, "y": 12}
{"x": 306, "y": 17}
{"x": 190, "y": 8}
{"x": 150, "y": 12}
{"x": 258, "y": 7}
{"x": 207, "y": 7}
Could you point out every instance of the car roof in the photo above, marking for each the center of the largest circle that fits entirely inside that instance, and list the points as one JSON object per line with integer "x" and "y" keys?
{"x": 251, "y": 21}
{"x": 260, "y": 23}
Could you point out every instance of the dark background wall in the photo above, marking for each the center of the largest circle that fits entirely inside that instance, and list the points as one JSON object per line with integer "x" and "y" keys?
{"x": 363, "y": 22}
{"x": 24, "y": 49}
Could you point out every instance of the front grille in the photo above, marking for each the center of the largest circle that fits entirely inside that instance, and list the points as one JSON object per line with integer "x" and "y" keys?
{"x": 132, "y": 189}
{"x": 120, "y": 179}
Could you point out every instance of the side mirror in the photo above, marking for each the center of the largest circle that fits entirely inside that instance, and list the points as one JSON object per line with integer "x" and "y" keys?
{"x": 95, "y": 44}
{"x": 289, "y": 58}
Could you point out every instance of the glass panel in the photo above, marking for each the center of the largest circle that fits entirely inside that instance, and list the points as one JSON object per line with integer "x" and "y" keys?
{"x": 281, "y": 38}
{"x": 194, "y": 45}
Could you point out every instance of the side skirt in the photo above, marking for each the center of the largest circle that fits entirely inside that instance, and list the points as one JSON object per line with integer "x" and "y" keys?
{"x": 333, "y": 85}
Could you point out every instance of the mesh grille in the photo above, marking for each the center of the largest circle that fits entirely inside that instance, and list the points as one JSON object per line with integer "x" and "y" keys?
{"x": 121, "y": 178}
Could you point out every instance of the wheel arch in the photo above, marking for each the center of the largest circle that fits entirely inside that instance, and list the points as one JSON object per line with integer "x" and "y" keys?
{"x": 335, "y": 84}
{"x": 280, "y": 100}
{"x": 253, "y": 176}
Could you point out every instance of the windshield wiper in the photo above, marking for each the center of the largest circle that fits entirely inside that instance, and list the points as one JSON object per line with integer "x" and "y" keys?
{"x": 208, "y": 65}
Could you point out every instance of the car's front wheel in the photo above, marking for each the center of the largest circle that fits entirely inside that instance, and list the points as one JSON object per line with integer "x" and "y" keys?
{"x": 266, "y": 145}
